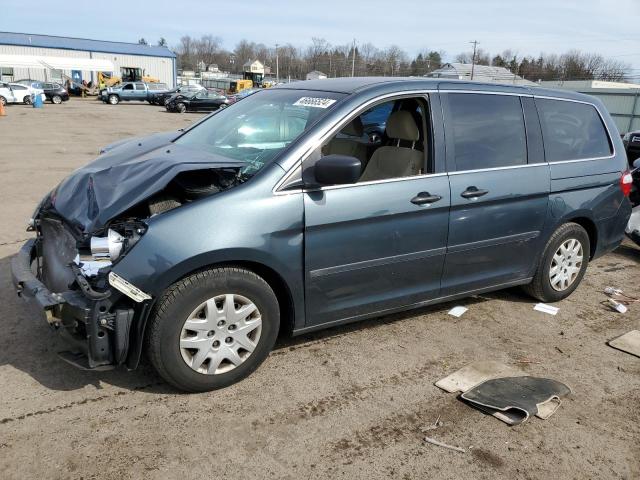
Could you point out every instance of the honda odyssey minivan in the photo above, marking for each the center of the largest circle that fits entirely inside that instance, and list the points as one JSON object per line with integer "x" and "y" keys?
{"x": 318, "y": 203}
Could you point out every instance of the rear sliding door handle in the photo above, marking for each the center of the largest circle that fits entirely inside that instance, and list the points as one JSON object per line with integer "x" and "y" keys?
{"x": 473, "y": 192}
{"x": 424, "y": 198}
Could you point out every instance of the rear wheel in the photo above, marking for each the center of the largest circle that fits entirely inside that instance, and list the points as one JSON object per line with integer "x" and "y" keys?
{"x": 114, "y": 99}
{"x": 562, "y": 265}
{"x": 57, "y": 99}
{"x": 213, "y": 329}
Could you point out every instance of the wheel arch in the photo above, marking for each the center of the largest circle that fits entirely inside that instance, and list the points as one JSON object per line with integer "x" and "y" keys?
{"x": 592, "y": 230}
{"x": 269, "y": 273}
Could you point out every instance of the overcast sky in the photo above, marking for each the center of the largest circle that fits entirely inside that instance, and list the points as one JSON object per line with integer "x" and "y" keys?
{"x": 609, "y": 27}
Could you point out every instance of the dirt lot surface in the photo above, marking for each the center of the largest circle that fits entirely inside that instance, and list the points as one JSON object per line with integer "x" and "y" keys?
{"x": 350, "y": 402}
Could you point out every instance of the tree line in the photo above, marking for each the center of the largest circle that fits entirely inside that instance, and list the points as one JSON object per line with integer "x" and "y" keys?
{"x": 368, "y": 60}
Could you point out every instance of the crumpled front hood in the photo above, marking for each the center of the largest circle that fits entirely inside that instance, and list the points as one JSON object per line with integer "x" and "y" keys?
{"x": 124, "y": 176}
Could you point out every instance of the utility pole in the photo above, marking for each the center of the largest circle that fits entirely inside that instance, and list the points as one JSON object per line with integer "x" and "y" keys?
{"x": 473, "y": 60}
{"x": 353, "y": 60}
{"x": 277, "y": 66}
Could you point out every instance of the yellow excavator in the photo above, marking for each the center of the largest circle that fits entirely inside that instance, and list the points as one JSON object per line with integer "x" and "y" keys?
{"x": 129, "y": 74}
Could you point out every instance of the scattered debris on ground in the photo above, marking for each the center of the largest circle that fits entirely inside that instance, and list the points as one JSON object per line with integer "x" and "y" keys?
{"x": 458, "y": 311}
{"x": 544, "y": 308}
{"x": 433, "y": 441}
{"x": 629, "y": 342}
{"x": 515, "y": 399}
{"x": 504, "y": 391}
{"x": 618, "y": 300}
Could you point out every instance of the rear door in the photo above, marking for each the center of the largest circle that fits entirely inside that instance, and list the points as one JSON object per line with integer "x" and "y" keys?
{"x": 499, "y": 189}
{"x": 140, "y": 91}
{"x": 371, "y": 246}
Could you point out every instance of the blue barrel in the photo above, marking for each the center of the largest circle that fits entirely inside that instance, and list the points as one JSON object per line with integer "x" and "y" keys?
{"x": 37, "y": 101}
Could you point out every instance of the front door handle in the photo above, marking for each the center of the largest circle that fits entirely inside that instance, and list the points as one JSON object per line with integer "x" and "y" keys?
{"x": 473, "y": 192}
{"x": 424, "y": 198}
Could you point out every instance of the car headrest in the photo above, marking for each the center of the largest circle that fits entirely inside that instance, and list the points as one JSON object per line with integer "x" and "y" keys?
{"x": 354, "y": 128}
{"x": 402, "y": 126}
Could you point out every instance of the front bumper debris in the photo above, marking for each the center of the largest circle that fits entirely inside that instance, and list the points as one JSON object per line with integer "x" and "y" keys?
{"x": 96, "y": 329}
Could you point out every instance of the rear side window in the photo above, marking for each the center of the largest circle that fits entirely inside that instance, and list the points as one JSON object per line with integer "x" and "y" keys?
{"x": 572, "y": 131}
{"x": 485, "y": 131}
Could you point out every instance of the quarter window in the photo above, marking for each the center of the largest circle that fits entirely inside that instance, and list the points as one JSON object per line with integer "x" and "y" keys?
{"x": 485, "y": 131}
{"x": 572, "y": 131}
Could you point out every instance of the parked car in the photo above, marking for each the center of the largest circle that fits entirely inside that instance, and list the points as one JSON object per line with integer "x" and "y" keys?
{"x": 163, "y": 97}
{"x": 236, "y": 97}
{"x": 126, "y": 92}
{"x": 203, "y": 101}
{"x": 17, "y": 93}
{"x": 631, "y": 142}
{"x": 54, "y": 92}
{"x": 200, "y": 246}
{"x": 154, "y": 89}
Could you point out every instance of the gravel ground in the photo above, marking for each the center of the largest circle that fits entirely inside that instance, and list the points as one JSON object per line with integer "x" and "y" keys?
{"x": 350, "y": 402}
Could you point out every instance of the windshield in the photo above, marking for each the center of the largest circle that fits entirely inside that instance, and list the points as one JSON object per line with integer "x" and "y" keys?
{"x": 257, "y": 129}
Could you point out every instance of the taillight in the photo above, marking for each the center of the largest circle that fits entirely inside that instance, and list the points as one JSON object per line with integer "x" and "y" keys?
{"x": 626, "y": 181}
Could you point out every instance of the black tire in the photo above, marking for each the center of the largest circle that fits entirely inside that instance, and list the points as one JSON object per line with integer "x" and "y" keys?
{"x": 3, "y": 101}
{"x": 182, "y": 298}
{"x": 113, "y": 99}
{"x": 541, "y": 288}
{"x": 181, "y": 107}
{"x": 56, "y": 99}
{"x": 27, "y": 100}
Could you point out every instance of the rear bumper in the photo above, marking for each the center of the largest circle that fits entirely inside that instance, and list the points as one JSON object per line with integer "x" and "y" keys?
{"x": 96, "y": 330}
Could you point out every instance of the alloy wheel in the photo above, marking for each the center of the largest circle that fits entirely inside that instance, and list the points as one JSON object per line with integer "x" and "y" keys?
{"x": 220, "y": 334}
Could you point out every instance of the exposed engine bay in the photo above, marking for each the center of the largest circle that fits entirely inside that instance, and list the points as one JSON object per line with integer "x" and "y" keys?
{"x": 94, "y": 303}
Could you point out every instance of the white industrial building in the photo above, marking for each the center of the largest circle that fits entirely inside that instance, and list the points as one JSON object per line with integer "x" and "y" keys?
{"x": 47, "y": 57}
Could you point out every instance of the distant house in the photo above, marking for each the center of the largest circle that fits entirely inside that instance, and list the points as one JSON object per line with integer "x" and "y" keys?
{"x": 481, "y": 73}
{"x": 316, "y": 75}
{"x": 254, "y": 66}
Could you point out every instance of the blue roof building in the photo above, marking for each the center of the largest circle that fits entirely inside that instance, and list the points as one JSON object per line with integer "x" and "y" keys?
{"x": 79, "y": 58}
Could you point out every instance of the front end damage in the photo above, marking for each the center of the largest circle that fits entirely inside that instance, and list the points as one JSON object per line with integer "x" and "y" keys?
{"x": 91, "y": 307}
{"x": 88, "y": 224}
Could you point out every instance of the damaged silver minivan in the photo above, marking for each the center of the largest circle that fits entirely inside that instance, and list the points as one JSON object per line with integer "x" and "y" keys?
{"x": 315, "y": 204}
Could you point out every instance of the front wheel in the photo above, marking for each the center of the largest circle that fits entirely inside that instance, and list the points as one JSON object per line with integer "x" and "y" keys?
{"x": 562, "y": 265}
{"x": 3, "y": 101}
{"x": 27, "y": 100}
{"x": 181, "y": 108}
{"x": 114, "y": 99}
{"x": 56, "y": 99}
{"x": 213, "y": 329}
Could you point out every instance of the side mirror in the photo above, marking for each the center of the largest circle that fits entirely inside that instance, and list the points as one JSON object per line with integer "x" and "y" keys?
{"x": 636, "y": 163}
{"x": 337, "y": 170}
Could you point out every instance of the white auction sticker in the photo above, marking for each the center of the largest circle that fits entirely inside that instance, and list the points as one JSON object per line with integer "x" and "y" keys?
{"x": 315, "y": 102}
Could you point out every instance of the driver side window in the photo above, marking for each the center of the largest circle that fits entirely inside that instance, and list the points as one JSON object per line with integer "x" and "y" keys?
{"x": 391, "y": 140}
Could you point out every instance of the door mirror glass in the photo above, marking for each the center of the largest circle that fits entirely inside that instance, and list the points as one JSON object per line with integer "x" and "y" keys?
{"x": 636, "y": 163}
{"x": 337, "y": 170}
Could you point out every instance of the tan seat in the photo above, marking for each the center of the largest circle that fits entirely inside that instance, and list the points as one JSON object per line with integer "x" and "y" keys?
{"x": 349, "y": 146}
{"x": 395, "y": 161}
